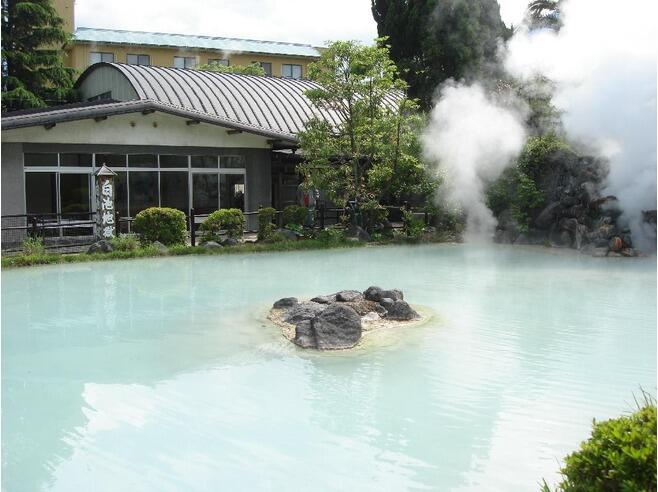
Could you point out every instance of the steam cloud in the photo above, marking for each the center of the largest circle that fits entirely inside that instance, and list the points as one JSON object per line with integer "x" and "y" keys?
{"x": 473, "y": 136}
{"x": 603, "y": 63}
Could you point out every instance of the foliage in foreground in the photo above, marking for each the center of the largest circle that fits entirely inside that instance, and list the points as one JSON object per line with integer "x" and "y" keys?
{"x": 230, "y": 220}
{"x": 620, "y": 455}
{"x": 163, "y": 224}
{"x": 33, "y": 71}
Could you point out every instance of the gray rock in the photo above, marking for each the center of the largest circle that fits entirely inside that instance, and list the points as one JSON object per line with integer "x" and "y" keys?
{"x": 303, "y": 311}
{"x": 291, "y": 235}
{"x": 211, "y": 245}
{"x": 395, "y": 294}
{"x": 373, "y": 293}
{"x": 102, "y": 246}
{"x": 229, "y": 241}
{"x": 337, "y": 327}
{"x": 348, "y": 296}
{"x": 401, "y": 310}
{"x": 386, "y": 303}
{"x": 356, "y": 232}
{"x": 363, "y": 307}
{"x": 305, "y": 335}
{"x": 160, "y": 247}
{"x": 522, "y": 239}
{"x": 285, "y": 302}
{"x": 546, "y": 217}
{"x": 328, "y": 299}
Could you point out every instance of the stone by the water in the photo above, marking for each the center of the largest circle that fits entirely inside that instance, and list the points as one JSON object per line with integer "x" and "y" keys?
{"x": 400, "y": 310}
{"x": 102, "y": 246}
{"x": 328, "y": 299}
{"x": 303, "y": 311}
{"x": 305, "y": 335}
{"x": 286, "y": 302}
{"x": 337, "y": 327}
{"x": 211, "y": 245}
{"x": 348, "y": 295}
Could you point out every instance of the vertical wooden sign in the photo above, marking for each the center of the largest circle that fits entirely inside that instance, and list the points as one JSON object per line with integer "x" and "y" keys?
{"x": 105, "y": 202}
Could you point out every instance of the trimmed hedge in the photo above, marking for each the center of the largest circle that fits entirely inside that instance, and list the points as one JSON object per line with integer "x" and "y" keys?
{"x": 229, "y": 219}
{"x": 266, "y": 225}
{"x": 167, "y": 225}
{"x": 295, "y": 214}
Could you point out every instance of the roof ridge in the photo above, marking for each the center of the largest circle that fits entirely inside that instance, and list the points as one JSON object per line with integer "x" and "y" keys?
{"x": 206, "y": 36}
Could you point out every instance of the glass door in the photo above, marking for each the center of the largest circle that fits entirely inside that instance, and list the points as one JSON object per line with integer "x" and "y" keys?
{"x": 205, "y": 192}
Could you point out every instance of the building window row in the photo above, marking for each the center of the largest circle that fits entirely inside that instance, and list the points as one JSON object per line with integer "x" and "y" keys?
{"x": 287, "y": 70}
{"x": 63, "y": 183}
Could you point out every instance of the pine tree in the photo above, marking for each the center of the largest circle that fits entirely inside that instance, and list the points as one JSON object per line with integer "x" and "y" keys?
{"x": 434, "y": 40}
{"x": 33, "y": 71}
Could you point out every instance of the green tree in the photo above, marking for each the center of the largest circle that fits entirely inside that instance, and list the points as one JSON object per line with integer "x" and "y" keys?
{"x": 252, "y": 69}
{"x": 373, "y": 152}
{"x": 33, "y": 71}
{"x": 434, "y": 40}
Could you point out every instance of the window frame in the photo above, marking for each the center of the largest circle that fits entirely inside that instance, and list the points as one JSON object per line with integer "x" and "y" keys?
{"x": 139, "y": 57}
{"x": 292, "y": 74}
{"x": 185, "y": 60}
{"x": 102, "y": 55}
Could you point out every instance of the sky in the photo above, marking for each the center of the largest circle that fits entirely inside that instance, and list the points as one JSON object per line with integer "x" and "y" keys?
{"x": 300, "y": 21}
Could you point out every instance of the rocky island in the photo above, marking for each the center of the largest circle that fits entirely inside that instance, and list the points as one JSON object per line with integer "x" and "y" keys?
{"x": 338, "y": 321}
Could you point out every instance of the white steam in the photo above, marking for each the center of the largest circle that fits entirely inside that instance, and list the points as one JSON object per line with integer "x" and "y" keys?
{"x": 473, "y": 136}
{"x": 603, "y": 62}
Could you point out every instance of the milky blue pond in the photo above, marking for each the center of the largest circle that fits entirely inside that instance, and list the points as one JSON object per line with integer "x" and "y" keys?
{"x": 160, "y": 374}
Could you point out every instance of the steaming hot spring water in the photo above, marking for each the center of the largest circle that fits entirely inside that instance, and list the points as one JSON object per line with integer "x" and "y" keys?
{"x": 163, "y": 374}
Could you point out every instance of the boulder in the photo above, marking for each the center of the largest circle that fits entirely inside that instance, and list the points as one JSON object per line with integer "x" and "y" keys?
{"x": 211, "y": 245}
{"x": 285, "y": 302}
{"x": 386, "y": 303}
{"x": 328, "y": 299}
{"x": 348, "y": 296}
{"x": 628, "y": 252}
{"x": 395, "y": 294}
{"x": 522, "y": 239}
{"x": 371, "y": 316}
{"x": 363, "y": 307}
{"x": 358, "y": 233}
{"x": 288, "y": 234}
{"x": 401, "y": 310}
{"x": 373, "y": 293}
{"x": 303, "y": 311}
{"x": 337, "y": 327}
{"x": 229, "y": 241}
{"x": 102, "y": 246}
{"x": 547, "y": 216}
{"x": 305, "y": 335}
{"x": 160, "y": 247}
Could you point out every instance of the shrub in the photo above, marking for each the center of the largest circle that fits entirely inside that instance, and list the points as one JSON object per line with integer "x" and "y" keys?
{"x": 33, "y": 246}
{"x": 295, "y": 214}
{"x": 265, "y": 223}
{"x": 230, "y": 220}
{"x": 331, "y": 235}
{"x": 166, "y": 225}
{"x": 619, "y": 455}
{"x": 413, "y": 227}
{"x": 372, "y": 214}
{"x": 125, "y": 242}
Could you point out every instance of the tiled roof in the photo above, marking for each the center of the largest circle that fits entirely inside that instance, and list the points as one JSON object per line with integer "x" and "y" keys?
{"x": 92, "y": 35}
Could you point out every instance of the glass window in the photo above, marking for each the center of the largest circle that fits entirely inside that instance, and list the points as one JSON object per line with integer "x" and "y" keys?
{"x": 75, "y": 160}
{"x": 184, "y": 61}
{"x": 291, "y": 71}
{"x": 74, "y": 193}
{"x": 111, "y": 160}
{"x": 142, "y": 160}
{"x": 173, "y": 161}
{"x": 143, "y": 190}
{"x": 97, "y": 57}
{"x": 233, "y": 162}
{"x": 266, "y": 66}
{"x": 121, "y": 193}
{"x": 138, "y": 59}
{"x": 217, "y": 61}
{"x": 40, "y": 159}
{"x": 231, "y": 191}
{"x": 205, "y": 161}
{"x": 205, "y": 191}
{"x": 41, "y": 193}
{"x": 174, "y": 190}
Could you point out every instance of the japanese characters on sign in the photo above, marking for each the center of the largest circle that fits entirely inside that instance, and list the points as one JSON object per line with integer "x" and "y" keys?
{"x": 106, "y": 208}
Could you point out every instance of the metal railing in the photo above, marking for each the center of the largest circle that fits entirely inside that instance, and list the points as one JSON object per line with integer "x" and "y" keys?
{"x": 57, "y": 230}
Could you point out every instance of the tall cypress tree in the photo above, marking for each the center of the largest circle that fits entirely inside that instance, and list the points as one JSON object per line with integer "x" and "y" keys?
{"x": 434, "y": 40}
{"x": 33, "y": 71}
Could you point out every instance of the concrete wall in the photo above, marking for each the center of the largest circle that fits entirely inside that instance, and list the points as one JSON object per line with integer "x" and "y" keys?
{"x": 259, "y": 183}
{"x": 137, "y": 129}
{"x": 13, "y": 181}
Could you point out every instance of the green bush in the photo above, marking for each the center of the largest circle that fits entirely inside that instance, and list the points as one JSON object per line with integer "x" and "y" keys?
{"x": 33, "y": 246}
{"x": 266, "y": 226}
{"x": 166, "y": 225}
{"x": 125, "y": 242}
{"x": 372, "y": 214}
{"x": 230, "y": 220}
{"x": 412, "y": 227}
{"x": 295, "y": 214}
{"x": 620, "y": 455}
{"x": 331, "y": 235}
